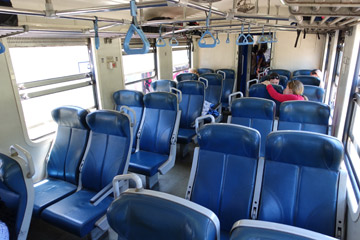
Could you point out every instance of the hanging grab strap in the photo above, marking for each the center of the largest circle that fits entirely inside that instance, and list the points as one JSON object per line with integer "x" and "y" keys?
{"x": 249, "y": 38}
{"x": 96, "y": 30}
{"x": 202, "y": 42}
{"x": 160, "y": 42}
{"x": 2, "y": 48}
{"x": 242, "y": 40}
{"x": 173, "y": 41}
{"x": 227, "y": 39}
{"x": 217, "y": 38}
{"x": 134, "y": 28}
{"x": 262, "y": 38}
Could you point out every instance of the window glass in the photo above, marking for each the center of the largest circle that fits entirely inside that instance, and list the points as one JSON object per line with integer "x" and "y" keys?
{"x": 35, "y": 69}
{"x": 180, "y": 60}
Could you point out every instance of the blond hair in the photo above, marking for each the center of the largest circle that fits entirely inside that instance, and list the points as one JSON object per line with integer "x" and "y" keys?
{"x": 296, "y": 86}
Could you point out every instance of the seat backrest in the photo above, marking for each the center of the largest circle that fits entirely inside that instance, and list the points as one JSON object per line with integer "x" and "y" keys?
{"x": 314, "y": 93}
{"x": 304, "y": 115}
{"x": 214, "y": 89}
{"x": 163, "y": 85}
{"x": 283, "y": 80}
{"x": 300, "y": 182}
{"x": 228, "y": 85}
{"x": 156, "y": 215}
{"x": 17, "y": 195}
{"x": 284, "y": 72}
{"x": 302, "y": 72}
{"x": 256, "y": 113}
{"x": 259, "y": 91}
{"x": 223, "y": 175}
{"x": 205, "y": 70}
{"x": 134, "y": 100}
{"x": 308, "y": 80}
{"x": 70, "y": 143}
{"x": 186, "y": 76}
{"x": 160, "y": 113}
{"x": 193, "y": 97}
{"x": 109, "y": 148}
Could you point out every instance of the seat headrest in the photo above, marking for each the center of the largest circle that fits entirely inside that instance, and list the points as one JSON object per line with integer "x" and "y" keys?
{"x": 109, "y": 122}
{"x": 302, "y": 72}
{"x": 192, "y": 87}
{"x": 253, "y": 108}
{"x": 259, "y": 90}
{"x": 305, "y": 112}
{"x": 230, "y": 139}
{"x": 161, "y": 100}
{"x": 205, "y": 70}
{"x": 229, "y": 72}
{"x": 70, "y": 116}
{"x": 308, "y": 80}
{"x": 186, "y": 76}
{"x": 213, "y": 78}
{"x": 129, "y": 98}
{"x": 304, "y": 149}
{"x": 314, "y": 93}
{"x": 163, "y": 85}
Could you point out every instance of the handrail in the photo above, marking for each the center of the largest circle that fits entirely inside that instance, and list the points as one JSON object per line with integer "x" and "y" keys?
{"x": 242, "y": 36}
{"x": 96, "y": 30}
{"x": 134, "y": 28}
{"x": 160, "y": 42}
{"x": 2, "y": 48}
{"x": 179, "y": 93}
{"x": 130, "y": 110}
{"x": 123, "y": 177}
{"x": 227, "y": 39}
{"x": 234, "y": 94}
{"x": 219, "y": 71}
{"x": 16, "y": 150}
{"x": 249, "y": 38}
{"x": 205, "y": 81}
{"x": 202, "y": 42}
{"x": 201, "y": 118}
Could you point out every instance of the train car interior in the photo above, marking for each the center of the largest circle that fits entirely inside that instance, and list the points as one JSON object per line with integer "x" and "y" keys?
{"x": 180, "y": 119}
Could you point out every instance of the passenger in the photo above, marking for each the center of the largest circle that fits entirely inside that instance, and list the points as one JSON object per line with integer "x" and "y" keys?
{"x": 316, "y": 73}
{"x": 193, "y": 70}
{"x": 293, "y": 91}
{"x": 260, "y": 60}
{"x": 274, "y": 78}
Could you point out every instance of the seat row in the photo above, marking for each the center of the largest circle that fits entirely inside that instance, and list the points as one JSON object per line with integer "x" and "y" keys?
{"x": 287, "y": 73}
{"x": 296, "y": 192}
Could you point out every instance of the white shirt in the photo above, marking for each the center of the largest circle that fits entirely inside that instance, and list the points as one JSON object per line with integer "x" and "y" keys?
{"x": 4, "y": 232}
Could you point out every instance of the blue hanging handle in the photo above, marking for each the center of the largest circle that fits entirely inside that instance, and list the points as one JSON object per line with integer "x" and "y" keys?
{"x": 202, "y": 42}
{"x": 173, "y": 41}
{"x": 262, "y": 38}
{"x": 242, "y": 40}
{"x": 160, "y": 42}
{"x": 2, "y": 48}
{"x": 134, "y": 28}
{"x": 217, "y": 38}
{"x": 249, "y": 38}
{"x": 96, "y": 29}
{"x": 227, "y": 39}
{"x": 272, "y": 38}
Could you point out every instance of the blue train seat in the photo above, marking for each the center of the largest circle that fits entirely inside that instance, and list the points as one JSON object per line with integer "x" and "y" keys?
{"x": 304, "y": 115}
{"x": 193, "y": 96}
{"x": 283, "y": 80}
{"x": 302, "y": 183}
{"x": 186, "y": 76}
{"x": 223, "y": 173}
{"x": 107, "y": 155}
{"x": 158, "y": 134}
{"x": 262, "y": 230}
{"x": 283, "y": 72}
{"x": 314, "y": 93}
{"x": 204, "y": 70}
{"x": 228, "y": 85}
{"x": 308, "y": 80}
{"x": 65, "y": 157}
{"x": 302, "y": 72}
{"x": 256, "y": 113}
{"x": 16, "y": 190}
{"x": 163, "y": 85}
{"x": 213, "y": 90}
{"x": 145, "y": 214}
{"x": 133, "y": 100}
{"x": 259, "y": 91}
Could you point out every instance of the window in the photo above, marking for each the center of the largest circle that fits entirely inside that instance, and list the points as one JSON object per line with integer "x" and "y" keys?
{"x": 50, "y": 77}
{"x": 180, "y": 59}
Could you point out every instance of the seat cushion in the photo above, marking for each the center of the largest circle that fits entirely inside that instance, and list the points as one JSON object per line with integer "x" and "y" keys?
{"x": 146, "y": 163}
{"x": 185, "y": 135}
{"x": 49, "y": 191}
{"x": 75, "y": 213}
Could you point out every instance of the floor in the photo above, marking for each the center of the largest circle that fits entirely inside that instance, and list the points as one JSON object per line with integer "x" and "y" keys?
{"x": 174, "y": 182}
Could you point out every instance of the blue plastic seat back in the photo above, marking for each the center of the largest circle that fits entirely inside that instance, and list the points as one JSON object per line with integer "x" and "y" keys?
{"x": 205, "y": 70}
{"x": 300, "y": 182}
{"x": 256, "y": 113}
{"x": 283, "y": 80}
{"x": 308, "y": 80}
{"x": 228, "y": 86}
{"x": 153, "y": 215}
{"x": 304, "y": 115}
{"x": 163, "y": 85}
{"x": 314, "y": 93}
{"x": 159, "y": 122}
{"x": 302, "y": 72}
{"x": 214, "y": 89}
{"x": 13, "y": 191}
{"x": 283, "y": 72}
{"x": 70, "y": 143}
{"x": 259, "y": 91}
{"x": 193, "y": 96}
{"x": 225, "y": 172}
{"x": 186, "y": 76}
{"x": 134, "y": 100}
{"x": 108, "y": 150}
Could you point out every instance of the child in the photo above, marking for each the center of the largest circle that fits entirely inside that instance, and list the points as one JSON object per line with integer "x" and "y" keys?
{"x": 293, "y": 91}
{"x": 274, "y": 78}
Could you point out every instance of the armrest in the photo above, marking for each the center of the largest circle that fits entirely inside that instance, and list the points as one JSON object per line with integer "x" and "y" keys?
{"x": 201, "y": 119}
{"x": 101, "y": 195}
{"x": 16, "y": 150}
